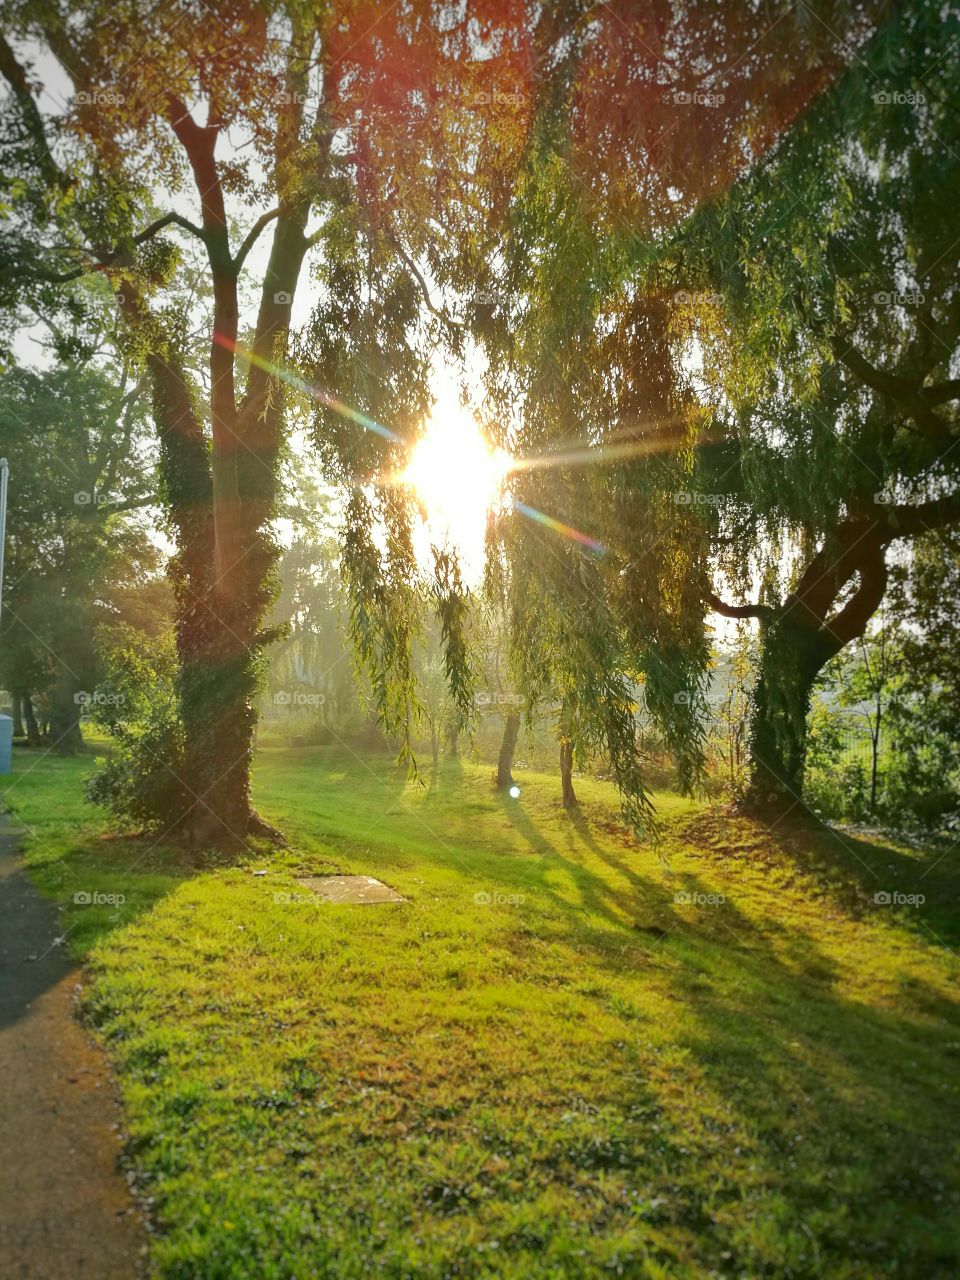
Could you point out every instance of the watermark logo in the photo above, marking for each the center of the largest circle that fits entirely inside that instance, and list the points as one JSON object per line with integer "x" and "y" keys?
{"x": 701, "y": 297}
{"x": 682, "y": 698}
{"x": 694, "y": 899}
{"x": 98, "y": 699}
{"x": 498, "y": 98}
{"x": 283, "y": 298}
{"x": 93, "y": 498}
{"x": 899, "y": 97}
{"x": 494, "y": 898}
{"x": 492, "y": 698}
{"x": 285, "y": 899}
{"x": 689, "y": 498}
{"x": 99, "y": 98}
{"x": 899, "y": 298}
{"x": 894, "y": 898}
{"x": 697, "y": 98}
{"x": 94, "y": 898}
{"x": 297, "y": 698}
{"x": 288, "y": 98}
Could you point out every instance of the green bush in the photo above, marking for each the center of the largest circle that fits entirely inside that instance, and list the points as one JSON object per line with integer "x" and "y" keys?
{"x": 141, "y": 780}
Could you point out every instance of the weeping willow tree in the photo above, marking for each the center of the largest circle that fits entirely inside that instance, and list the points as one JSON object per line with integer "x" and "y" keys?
{"x": 635, "y": 118}
{"x": 828, "y": 316}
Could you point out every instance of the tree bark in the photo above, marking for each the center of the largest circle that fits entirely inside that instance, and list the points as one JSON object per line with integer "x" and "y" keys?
{"x": 30, "y": 720}
{"x": 798, "y": 639}
{"x": 16, "y": 699}
{"x": 790, "y": 661}
{"x": 508, "y": 745}
{"x": 65, "y": 714}
{"x": 566, "y": 774}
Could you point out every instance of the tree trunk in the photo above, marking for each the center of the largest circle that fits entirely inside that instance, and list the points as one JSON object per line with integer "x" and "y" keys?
{"x": 508, "y": 745}
{"x": 65, "y": 713}
{"x": 798, "y": 639}
{"x": 17, "y": 701}
{"x": 30, "y": 720}
{"x": 566, "y": 774}
{"x": 875, "y": 759}
{"x": 790, "y": 661}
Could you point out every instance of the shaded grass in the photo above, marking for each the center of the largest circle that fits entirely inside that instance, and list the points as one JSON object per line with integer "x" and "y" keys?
{"x": 543, "y": 1063}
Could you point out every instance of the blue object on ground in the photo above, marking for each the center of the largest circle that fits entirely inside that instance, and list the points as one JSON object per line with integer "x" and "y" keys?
{"x": 6, "y": 744}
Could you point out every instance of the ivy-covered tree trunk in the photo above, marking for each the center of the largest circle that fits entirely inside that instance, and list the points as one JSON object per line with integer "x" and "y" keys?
{"x": 798, "y": 638}
{"x": 791, "y": 658}
{"x": 508, "y": 745}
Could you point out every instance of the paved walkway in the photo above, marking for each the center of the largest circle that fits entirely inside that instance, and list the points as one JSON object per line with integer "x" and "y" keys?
{"x": 65, "y": 1211}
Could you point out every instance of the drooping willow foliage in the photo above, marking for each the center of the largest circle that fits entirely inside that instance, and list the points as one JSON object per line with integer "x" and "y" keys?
{"x": 829, "y": 328}
{"x": 600, "y": 559}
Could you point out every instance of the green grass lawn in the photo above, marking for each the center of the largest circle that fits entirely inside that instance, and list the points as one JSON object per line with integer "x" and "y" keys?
{"x": 542, "y": 1063}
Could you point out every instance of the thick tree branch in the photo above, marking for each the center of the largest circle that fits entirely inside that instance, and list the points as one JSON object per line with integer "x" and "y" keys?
{"x": 736, "y": 610}
{"x": 16, "y": 76}
{"x": 940, "y": 392}
{"x": 905, "y": 392}
{"x": 168, "y": 219}
{"x": 252, "y": 236}
{"x": 107, "y": 260}
{"x": 852, "y": 619}
{"x": 906, "y": 521}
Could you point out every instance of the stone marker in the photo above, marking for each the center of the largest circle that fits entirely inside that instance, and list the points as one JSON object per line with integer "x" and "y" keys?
{"x": 362, "y": 889}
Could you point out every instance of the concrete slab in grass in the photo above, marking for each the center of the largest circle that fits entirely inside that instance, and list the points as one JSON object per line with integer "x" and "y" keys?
{"x": 349, "y": 889}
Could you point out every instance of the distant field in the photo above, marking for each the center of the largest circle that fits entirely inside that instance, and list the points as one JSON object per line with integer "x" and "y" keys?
{"x": 545, "y": 1062}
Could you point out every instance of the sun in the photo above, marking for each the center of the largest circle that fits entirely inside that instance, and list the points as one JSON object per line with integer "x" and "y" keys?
{"x": 457, "y": 477}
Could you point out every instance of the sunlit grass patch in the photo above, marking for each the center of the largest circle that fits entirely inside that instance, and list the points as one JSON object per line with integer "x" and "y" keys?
{"x": 562, "y": 1055}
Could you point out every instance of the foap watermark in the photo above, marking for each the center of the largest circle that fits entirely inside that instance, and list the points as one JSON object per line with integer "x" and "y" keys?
{"x": 899, "y": 98}
{"x": 693, "y": 898}
{"x": 98, "y": 698}
{"x": 899, "y": 298}
{"x": 94, "y": 898}
{"x": 99, "y": 98}
{"x": 494, "y": 898}
{"x": 894, "y": 898}
{"x": 291, "y": 98}
{"x": 298, "y": 698}
{"x": 283, "y": 298}
{"x": 94, "y": 498}
{"x": 291, "y": 899}
{"x": 690, "y": 498}
{"x": 698, "y": 297}
{"x": 698, "y": 98}
{"x": 493, "y": 698}
{"x": 497, "y": 98}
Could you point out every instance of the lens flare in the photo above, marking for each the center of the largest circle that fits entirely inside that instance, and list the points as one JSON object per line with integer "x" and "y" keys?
{"x": 456, "y": 476}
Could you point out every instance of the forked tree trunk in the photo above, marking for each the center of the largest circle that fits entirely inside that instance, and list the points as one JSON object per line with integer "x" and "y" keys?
{"x": 566, "y": 774}
{"x": 791, "y": 659}
{"x": 508, "y": 745}
{"x": 797, "y": 640}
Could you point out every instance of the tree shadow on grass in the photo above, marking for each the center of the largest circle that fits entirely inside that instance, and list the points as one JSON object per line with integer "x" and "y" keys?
{"x": 868, "y": 878}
